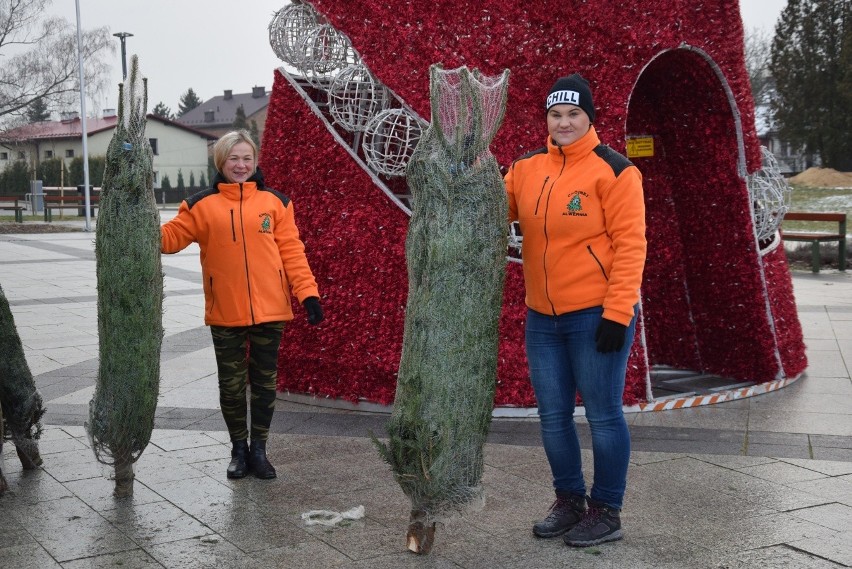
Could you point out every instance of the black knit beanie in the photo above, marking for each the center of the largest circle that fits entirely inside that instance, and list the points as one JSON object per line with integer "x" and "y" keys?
{"x": 572, "y": 90}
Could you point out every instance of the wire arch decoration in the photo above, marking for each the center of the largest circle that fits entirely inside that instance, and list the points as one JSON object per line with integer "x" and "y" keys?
{"x": 288, "y": 28}
{"x": 389, "y": 141}
{"x": 355, "y": 96}
{"x": 322, "y": 52}
{"x": 770, "y": 195}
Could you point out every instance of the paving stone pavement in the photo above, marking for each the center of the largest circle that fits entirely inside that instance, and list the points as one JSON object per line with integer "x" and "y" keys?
{"x": 758, "y": 482}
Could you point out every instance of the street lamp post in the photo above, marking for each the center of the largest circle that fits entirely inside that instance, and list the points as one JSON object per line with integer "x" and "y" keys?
{"x": 123, "y": 36}
{"x": 87, "y": 199}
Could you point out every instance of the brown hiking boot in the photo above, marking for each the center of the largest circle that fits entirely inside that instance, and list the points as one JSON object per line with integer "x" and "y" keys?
{"x": 565, "y": 513}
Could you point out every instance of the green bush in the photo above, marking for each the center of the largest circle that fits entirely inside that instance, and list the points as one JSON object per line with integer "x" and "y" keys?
{"x": 96, "y": 171}
{"x": 15, "y": 180}
{"x": 52, "y": 172}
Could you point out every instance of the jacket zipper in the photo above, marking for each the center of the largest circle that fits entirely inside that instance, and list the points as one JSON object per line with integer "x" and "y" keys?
{"x": 233, "y": 229}
{"x": 595, "y": 257}
{"x": 541, "y": 193}
{"x": 245, "y": 254}
{"x": 546, "y": 239}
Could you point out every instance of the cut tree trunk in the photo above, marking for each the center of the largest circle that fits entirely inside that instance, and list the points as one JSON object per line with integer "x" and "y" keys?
{"x": 30, "y": 458}
{"x": 421, "y": 533}
{"x": 123, "y": 479}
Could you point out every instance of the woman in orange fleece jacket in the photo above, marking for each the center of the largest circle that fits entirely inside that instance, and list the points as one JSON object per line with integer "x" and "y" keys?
{"x": 582, "y": 215}
{"x": 251, "y": 258}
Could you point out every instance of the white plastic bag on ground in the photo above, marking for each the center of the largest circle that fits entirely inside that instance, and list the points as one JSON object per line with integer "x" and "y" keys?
{"x": 331, "y": 518}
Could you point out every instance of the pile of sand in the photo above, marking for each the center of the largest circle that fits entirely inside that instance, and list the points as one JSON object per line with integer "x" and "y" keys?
{"x": 822, "y": 178}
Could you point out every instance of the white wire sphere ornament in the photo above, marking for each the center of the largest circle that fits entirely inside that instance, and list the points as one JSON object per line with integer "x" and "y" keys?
{"x": 389, "y": 140}
{"x": 287, "y": 29}
{"x": 322, "y": 52}
{"x": 355, "y": 97}
{"x": 771, "y": 196}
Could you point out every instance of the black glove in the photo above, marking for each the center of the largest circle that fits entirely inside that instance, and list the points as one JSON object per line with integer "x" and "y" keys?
{"x": 609, "y": 336}
{"x": 314, "y": 310}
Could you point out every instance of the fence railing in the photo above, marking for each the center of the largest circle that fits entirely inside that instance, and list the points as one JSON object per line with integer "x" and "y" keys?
{"x": 34, "y": 205}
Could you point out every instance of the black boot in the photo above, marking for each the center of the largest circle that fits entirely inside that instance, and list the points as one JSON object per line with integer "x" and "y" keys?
{"x": 258, "y": 463}
{"x": 239, "y": 457}
{"x": 600, "y": 524}
{"x": 564, "y": 514}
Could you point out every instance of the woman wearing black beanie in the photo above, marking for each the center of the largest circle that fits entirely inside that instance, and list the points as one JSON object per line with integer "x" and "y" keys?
{"x": 582, "y": 215}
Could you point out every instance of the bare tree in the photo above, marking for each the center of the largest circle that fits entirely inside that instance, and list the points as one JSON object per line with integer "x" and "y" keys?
{"x": 38, "y": 58}
{"x": 758, "y": 55}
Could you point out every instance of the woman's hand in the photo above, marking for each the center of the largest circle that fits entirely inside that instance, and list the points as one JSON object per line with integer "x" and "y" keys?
{"x": 314, "y": 310}
{"x": 609, "y": 337}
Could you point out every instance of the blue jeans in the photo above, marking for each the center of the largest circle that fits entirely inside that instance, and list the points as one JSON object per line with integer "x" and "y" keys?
{"x": 563, "y": 361}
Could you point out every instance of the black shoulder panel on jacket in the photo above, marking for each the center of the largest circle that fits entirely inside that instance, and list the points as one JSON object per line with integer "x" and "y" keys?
{"x": 542, "y": 150}
{"x": 618, "y": 162}
{"x": 197, "y": 197}
{"x": 284, "y": 199}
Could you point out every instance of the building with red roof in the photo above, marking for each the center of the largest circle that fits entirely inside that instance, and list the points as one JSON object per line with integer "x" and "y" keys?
{"x": 176, "y": 147}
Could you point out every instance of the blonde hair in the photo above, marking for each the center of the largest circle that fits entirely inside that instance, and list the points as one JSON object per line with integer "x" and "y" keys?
{"x": 223, "y": 147}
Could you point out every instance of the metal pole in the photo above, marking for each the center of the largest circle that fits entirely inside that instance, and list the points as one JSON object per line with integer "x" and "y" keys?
{"x": 87, "y": 199}
{"x": 123, "y": 60}
{"x": 123, "y": 36}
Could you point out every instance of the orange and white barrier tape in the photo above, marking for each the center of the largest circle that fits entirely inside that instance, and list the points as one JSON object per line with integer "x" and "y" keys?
{"x": 720, "y": 397}
{"x": 667, "y": 404}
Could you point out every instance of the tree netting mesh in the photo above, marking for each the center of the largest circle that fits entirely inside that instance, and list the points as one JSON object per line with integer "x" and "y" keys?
{"x": 20, "y": 402}
{"x": 455, "y": 252}
{"x": 3, "y": 484}
{"x": 130, "y": 293}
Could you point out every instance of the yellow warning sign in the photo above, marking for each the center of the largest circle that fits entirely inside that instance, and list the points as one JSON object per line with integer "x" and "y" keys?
{"x": 640, "y": 147}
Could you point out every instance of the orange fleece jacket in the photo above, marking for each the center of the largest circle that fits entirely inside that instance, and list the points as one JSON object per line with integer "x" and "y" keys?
{"x": 251, "y": 254}
{"x": 582, "y": 215}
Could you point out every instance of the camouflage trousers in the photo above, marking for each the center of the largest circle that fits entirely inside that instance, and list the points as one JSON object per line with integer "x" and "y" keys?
{"x": 247, "y": 354}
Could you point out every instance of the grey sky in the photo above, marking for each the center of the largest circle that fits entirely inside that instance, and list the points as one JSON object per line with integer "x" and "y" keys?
{"x": 213, "y": 45}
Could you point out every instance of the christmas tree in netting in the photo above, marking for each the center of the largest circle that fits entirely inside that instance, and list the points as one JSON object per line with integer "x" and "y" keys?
{"x": 456, "y": 257}
{"x": 3, "y": 484}
{"x": 21, "y": 406}
{"x": 130, "y": 293}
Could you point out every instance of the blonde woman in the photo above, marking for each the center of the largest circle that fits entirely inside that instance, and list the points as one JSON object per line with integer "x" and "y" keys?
{"x": 251, "y": 261}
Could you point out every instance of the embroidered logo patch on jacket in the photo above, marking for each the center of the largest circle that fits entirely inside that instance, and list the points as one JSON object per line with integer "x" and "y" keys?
{"x": 575, "y": 204}
{"x": 266, "y": 223}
